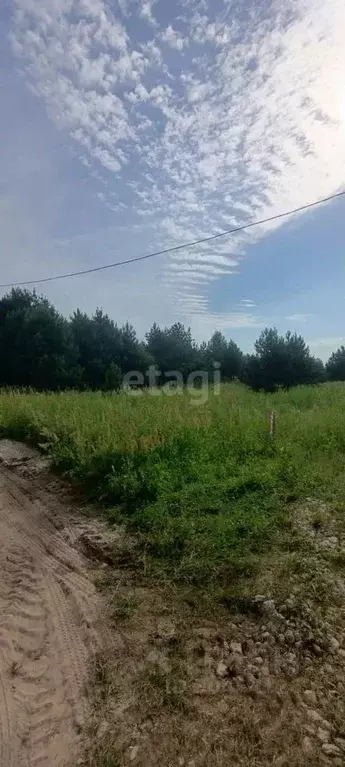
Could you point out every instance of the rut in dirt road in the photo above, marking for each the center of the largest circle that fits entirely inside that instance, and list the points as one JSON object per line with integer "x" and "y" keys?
{"x": 48, "y": 620}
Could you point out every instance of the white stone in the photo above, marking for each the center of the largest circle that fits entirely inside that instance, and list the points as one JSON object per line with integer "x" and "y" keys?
{"x": 323, "y": 735}
{"x": 133, "y": 753}
{"x": 269, "y": 605}
{"x": 333, "y": 644}
{"x": 330, "y": 749}
{"x": 222, "y": 670}
{"x": 340, "y": 742}
{"x": 307, "y": 746}
{"x": 236, "y": 647}
{"x": 314, "y": 716}
{"x": 310, "y": 697}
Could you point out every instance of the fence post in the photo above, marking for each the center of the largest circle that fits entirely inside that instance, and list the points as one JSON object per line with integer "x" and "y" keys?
{"x": 273, "y": 424}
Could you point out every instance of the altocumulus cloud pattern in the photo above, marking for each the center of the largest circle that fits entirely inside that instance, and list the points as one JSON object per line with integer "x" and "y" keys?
{"x": 196, "y": 116}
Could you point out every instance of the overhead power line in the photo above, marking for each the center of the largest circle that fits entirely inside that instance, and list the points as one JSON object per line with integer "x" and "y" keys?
{"x": 175, "y": 248}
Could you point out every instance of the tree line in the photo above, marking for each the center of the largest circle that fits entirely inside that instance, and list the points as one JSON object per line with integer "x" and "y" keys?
{"x": 43, "y": 350}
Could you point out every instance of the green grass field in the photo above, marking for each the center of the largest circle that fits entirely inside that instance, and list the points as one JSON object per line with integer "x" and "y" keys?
{"x": 204, "y": 487}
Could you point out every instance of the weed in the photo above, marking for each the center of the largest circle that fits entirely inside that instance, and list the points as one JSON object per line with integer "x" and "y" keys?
{"x": 101, "y": 678}
{"x": 14, "y": 668}
{"x": 102, "y": 755}
{"x": 103, "y": 759}
{"x": 202, "y": 488}
{"x": 105, "y": 581}
{"x": 122, "y": 608}
{"x": 162, "y": 690}
{"x": 337, "y": 559}
{"x": 319, "y": 520}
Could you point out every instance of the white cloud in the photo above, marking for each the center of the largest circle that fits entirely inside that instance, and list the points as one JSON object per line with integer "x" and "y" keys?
{"x": 146, "y": 12}
{"x": 173, "y": 38}
{"x": 205, "y": 258}
{"x": 195, "y": 266}
{"x": 298, "y": 317}
{"x": 109, "y": 162}
{"x": 152, "y": 50}
{"x": 59, "y": 42}
{"x": 197, "y": 92}
{"x": 247, "y": 123}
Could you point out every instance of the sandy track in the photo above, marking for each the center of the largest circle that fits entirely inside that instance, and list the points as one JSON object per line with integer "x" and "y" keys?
{"x": 48, "y": 622}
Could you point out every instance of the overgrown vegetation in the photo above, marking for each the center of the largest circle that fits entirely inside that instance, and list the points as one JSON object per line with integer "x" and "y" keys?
{"x": 206, "y": 488}
{"x": 45, "y": 351}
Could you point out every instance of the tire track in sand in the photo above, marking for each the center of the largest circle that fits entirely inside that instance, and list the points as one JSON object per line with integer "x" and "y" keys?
{"x": 48, "y": 625}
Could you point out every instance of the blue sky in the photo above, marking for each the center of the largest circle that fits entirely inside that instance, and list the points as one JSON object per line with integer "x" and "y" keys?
{"x": 131, "y": 125}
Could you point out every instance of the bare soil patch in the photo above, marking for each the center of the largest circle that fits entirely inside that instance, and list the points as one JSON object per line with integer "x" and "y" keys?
{"x": 103, "y": 665}
{"x": 49, "y": 618}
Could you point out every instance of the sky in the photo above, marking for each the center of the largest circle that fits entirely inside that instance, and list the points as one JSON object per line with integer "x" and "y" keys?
{"x": 133, "y": 125}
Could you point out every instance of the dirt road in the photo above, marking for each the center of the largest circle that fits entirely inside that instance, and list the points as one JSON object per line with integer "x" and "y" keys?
{"x": 48, "y": 620}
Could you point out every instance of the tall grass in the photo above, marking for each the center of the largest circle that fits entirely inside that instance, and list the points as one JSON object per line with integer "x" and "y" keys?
{"x": 204, "y": 486}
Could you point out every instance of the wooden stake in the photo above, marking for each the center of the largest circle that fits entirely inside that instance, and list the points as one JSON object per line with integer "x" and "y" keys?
{"x": 273, "y": 424}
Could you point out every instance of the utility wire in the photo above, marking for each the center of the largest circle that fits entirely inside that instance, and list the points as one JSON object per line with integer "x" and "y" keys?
{"x": 175, "y": 248}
